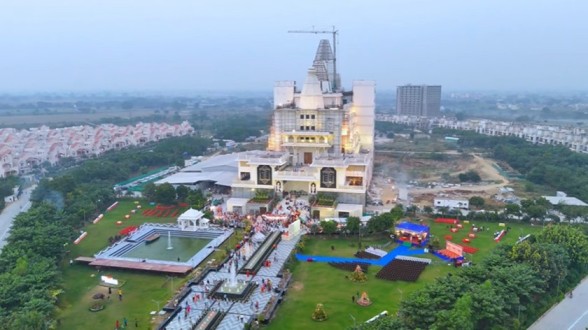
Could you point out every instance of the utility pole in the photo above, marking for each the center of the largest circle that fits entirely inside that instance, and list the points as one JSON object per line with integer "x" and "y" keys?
{"x": 334, "y": 32}
{"x": 354, "y": 322}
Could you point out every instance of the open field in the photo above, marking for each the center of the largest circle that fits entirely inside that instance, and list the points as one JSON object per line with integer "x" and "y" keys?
{"x": 143, "y": 292}
{"x": 69, "y": 117}
{"x": 320, "y": 283}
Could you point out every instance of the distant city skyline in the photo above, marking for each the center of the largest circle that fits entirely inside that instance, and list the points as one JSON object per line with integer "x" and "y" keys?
{"x": 108, "y": 45}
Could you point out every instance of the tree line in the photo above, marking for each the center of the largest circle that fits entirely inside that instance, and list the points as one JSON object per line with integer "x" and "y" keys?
{"x": 553, "y": 166}
{"x": 508, "y": 289}
{"x": 6, "y": 186}
{"x": 30, "y": 277}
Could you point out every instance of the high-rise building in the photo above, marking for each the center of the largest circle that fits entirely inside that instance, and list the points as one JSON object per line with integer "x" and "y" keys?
{"x": 321, "y": 141}
{"x": 418, "y": 100}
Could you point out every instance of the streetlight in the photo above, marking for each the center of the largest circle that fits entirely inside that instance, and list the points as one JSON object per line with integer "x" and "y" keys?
{"x": 354, "y": 322}
{"x": 157, "y": 302}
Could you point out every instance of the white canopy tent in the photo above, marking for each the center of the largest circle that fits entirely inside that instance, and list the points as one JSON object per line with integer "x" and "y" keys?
{"x": 192, "y": 220}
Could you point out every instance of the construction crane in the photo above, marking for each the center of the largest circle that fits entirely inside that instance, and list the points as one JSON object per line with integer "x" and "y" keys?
{"x": 334, "y": 33}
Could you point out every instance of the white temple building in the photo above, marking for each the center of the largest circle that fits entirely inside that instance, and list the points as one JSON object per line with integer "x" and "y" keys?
{"x": 321, "y": 141}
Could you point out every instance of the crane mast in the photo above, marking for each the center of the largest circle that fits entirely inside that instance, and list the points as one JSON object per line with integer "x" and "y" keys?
{"x": 334, "y": 34}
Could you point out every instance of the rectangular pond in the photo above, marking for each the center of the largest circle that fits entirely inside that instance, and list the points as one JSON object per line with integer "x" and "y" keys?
{"x": 183, "y": 248}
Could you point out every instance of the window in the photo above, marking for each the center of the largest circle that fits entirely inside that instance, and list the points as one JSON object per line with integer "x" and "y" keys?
{"x": 245, "y": 176}
{"x": 308, "y": 128}
{"x": 312, "y": 116}
{"x": 307, "y": 116}
{"x": 328, "y": 177}
{"x": 264, "y": 175}
{"x": 301, "y": 116}
{"x": 312, "y": 128}
{"x": 302, "y": 128}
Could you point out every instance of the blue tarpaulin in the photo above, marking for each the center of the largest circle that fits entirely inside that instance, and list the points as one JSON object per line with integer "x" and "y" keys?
{"x": 412, "y": 227}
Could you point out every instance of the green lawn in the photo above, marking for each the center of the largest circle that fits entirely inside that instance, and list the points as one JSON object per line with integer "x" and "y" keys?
{"x": 320, "y": 283}
{"x": 142, "y": 291}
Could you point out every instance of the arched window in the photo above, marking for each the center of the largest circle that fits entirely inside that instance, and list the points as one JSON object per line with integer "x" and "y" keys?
{"x": 328, "y": 177}
{"x": 264, "y": 175}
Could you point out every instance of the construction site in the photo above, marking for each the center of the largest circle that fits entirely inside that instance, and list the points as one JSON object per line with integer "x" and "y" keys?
{"x": 412, "y": 178}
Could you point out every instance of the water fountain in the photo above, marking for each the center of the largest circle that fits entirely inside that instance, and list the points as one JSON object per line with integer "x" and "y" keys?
{"x": 169, "y": 245}
{"x": 231, "y": 288}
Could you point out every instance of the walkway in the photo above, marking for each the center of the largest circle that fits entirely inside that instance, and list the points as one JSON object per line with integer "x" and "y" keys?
{"x": 400, "y": 250}
{"x": 569, "y": 314}
{"x": 11, "y": 211}
{"x": 160, "y": 268}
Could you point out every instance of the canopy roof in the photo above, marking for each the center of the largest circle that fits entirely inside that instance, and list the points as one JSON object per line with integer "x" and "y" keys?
{"x": 412, "y": 227}
{"x": 191, "y": 214}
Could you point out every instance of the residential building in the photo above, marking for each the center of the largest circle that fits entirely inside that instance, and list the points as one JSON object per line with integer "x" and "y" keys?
{"x": 573, "y": 137}
{"x": 418, "y": 100}
{"x": 21, "y": 151}
{"x": 452, "y": 203}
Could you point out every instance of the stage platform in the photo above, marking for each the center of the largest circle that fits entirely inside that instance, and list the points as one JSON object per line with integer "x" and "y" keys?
{"x": 145, "y": 266}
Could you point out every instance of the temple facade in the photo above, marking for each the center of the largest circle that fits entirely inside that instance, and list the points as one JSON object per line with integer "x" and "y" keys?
{"x": 321, "y": 143}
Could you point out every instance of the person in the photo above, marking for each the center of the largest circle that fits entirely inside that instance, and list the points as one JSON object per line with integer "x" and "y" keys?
{"x": 136, "y": 323}
{"x": 571, "y": 294}
{"x": 109, "y": 290}
{"x": 125, "y": 322}
{"x": 117, "y": 325}
{"x": 352, "y": 299}
{"x": 120, "y": 293}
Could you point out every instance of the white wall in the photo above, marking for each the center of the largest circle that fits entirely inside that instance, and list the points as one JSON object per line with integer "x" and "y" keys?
{"x": 451, "y": 203}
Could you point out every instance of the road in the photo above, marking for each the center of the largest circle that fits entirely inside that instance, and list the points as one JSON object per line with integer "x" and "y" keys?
{"x": 569, "y": 314}
{"x": 11, "y": 211}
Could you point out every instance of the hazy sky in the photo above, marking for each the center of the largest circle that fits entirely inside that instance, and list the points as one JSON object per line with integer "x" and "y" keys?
{"x": 60, "y": 45}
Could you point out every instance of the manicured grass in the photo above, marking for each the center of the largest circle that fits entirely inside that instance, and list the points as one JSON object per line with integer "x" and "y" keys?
{"x": 141, "y": 292}
{"x": 320, "y": 283}
{"x": 484, "y": 240}
{"x": 322, "y": 245}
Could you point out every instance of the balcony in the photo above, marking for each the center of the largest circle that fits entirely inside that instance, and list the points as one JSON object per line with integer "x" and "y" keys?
{"x": 306, "y": 144}
{"x": 355, "y": 173}
{"x": 264, "y": 157}
{"x": 307, "y": 174}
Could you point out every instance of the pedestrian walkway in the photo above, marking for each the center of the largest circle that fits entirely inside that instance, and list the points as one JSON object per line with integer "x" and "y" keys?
{"x": 398, "y": 251}
{"x": 238, "y": 313}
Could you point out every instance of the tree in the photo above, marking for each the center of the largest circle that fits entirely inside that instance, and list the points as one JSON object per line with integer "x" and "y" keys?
{"x": 571, "y": 238}
{"x": 469, "y": 176}
{"x": 196, "y": 199}
{"x": 352, "y": 225}
{"x": 512, "y": 209}
{"x": 397, "y": 212}
{"x": 487, "y": 306}
{"x": 165, "y": 194}
{"x": 459, "y": 317}
{"x": 182, "y": 192}
{"x": 149, "y": 191}
{"x": 477, "y": 201}
{"x": 428, "y": 209}
{"x": 329, "y": 227}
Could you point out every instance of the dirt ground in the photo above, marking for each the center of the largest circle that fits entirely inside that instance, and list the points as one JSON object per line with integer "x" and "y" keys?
{"x": 297, "y": 286}
{"x": 394, "y": 171}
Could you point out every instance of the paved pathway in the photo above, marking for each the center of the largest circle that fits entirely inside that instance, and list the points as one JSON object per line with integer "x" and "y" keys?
{"x": 11, "y": 211}
{"x": 569, "y": 314}
{"x": 400, "y": 250}
{"x": 238, "y": 312}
